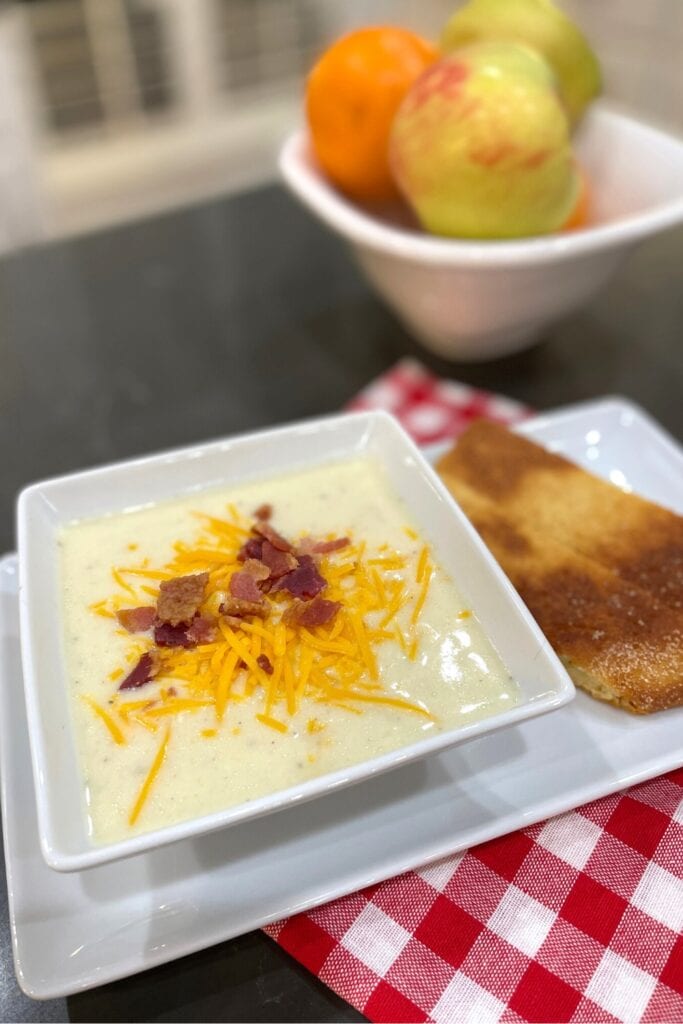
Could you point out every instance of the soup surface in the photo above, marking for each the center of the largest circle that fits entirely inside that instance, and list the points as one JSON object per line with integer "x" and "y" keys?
{"x": 354, "y": 643}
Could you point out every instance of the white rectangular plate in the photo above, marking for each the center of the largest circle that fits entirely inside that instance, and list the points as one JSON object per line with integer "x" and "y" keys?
{"x": 72, "y": 932}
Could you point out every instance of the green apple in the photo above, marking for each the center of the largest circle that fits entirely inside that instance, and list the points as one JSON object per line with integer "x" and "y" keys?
{"x": 480, "y": 146}
{"x": 540, "y": 24}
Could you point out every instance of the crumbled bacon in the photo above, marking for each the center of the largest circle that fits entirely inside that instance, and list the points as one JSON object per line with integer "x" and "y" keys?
{"x": 202, "y": 630}
{"x": 264, "y": 511}
{"x": 244, "y": 587}
{"x": 324, "y": 547}
{"x": 317, "y": 612}
{"x": 144, "y": 671}
{"x": 306, "y": 546}
{"x": 180, "y": 598}
{"x": 137, "y": 620}
{"x": 279, "y": 563}
{"x": 250, "y": 549}
{"x": 276, "y": 539}
{"x": 236, "y": 608}
{"x": 263, "y": 661}
{"x": 305, "y": 581}
{"x": 257, "y": 569}
{"x": 166, "y": 635}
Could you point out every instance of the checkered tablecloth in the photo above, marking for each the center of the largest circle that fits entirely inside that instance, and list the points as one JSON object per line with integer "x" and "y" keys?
{"x": 575, "y": 919}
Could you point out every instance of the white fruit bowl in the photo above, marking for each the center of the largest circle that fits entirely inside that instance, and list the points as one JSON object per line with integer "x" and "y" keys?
{"x": 479, "y": 300}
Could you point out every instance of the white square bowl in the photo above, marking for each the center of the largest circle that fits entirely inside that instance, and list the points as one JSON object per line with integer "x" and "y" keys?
{"x": 46, "y": 507}
{"x": 471, "y": 300}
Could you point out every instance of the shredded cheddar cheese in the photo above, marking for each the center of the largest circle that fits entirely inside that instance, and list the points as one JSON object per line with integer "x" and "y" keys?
{"x": 280, "y": 668}
{"x": 419, "y": 604}
{"x": 273, "y": 723}
{"x": 422, "y": 564}
{"x": 149, "y": 781}
{"x": 111, "y": 725}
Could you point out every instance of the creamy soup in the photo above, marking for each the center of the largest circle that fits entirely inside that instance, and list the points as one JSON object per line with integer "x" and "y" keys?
{"x": 259, "y": 705}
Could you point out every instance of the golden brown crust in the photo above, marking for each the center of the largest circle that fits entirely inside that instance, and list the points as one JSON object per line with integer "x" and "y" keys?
{"x": 619, "y": 642}
{"x": 635, "y": 538}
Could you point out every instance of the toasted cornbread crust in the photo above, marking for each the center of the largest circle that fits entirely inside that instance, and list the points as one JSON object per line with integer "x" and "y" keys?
{"x": 640, "y": 541}
{"x": 620, "y": 641}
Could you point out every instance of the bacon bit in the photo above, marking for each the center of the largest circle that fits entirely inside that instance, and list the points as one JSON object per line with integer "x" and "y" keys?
{"x": 264, "y": 512}
{"x": 250, "y": 549}
{"x": 180, "y": 598}
{"x": 278, "y": 563}
{"x": 317, "y": 612}
{"x": 276, "y": 539}
{"x": 237, "y": 608}
{"x": 144, "y": 671}
{"x": 264, "y": 662}
{"x": 137, "y": 620}
{"x": 305, "y": 581}
{"x": 306, "y": 546}
{"x": 233, "y": 621}
{"x": 257, "y": 569}
{"x": 324, "y": 547}
{"x": 166, "y": 635}
{"x": 202, "y": 631}
{"x": 243, "y": 587}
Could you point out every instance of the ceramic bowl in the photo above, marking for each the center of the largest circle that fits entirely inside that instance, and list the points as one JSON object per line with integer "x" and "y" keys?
{"x": 45, "y": 508}
{"x": 478, "y": 300}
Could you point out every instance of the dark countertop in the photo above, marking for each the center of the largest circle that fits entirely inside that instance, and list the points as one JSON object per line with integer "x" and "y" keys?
{"x": 224, "y": 317}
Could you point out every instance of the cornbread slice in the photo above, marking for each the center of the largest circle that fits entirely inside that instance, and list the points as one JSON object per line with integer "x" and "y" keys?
{"x": 601, "y": 570}
{"x": 617, "y": 641}
{"x": 638, "y": 540}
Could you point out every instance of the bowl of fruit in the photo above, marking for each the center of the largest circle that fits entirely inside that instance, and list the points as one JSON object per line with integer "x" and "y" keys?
{"x": 484, "y": 188}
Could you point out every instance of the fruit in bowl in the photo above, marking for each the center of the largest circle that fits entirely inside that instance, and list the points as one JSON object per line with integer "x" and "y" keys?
{"x": 496, "y": 288}
{"x": 481, "y": 147}
{"x": 352, "y": 95}
{"x": 476, "y": 138}
{"x": 536, "y": 23}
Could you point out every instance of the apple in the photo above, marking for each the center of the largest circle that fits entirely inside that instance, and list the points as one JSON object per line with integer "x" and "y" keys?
{"x": 541, "y": 25}
{"x": 480, "y": 146}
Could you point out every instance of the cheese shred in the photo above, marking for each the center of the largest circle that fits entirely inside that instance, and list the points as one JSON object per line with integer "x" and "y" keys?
{"x": 111, "y": 725}
{"x": 281, "y": 668}
{"x": 149, "y": 781}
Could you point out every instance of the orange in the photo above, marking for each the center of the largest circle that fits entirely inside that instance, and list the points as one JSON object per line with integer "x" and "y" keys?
{"x": 579, "y": 217}
{"x": 352, "y": 95}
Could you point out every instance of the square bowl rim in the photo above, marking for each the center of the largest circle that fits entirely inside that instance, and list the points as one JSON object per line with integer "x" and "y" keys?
{"x": 560, "y": 688}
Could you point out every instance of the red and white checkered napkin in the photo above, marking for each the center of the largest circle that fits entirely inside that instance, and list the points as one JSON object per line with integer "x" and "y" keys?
{"x": 575, "y": 919}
